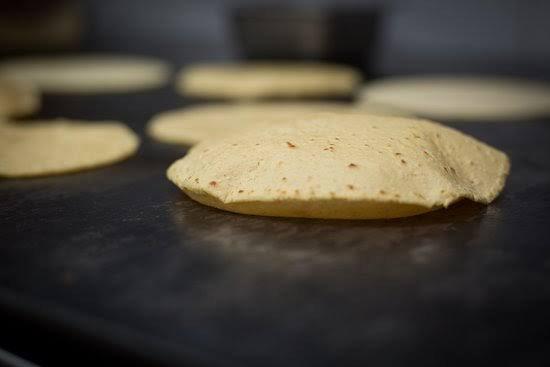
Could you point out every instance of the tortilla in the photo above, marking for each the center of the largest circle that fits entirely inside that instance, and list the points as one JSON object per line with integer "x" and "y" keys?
{"x": 60, "y": 146}
{"x": 88, "y": 73}
{"x": 267, "y": 80}
{"x": 348, "y": 166}
{"x": 18, "y": 98}
{"x": 191, "y": 125}
{"x": 462, "y": 97}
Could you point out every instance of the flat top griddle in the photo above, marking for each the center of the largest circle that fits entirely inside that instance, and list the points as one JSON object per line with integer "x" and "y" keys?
{"x": 120, "y": 257}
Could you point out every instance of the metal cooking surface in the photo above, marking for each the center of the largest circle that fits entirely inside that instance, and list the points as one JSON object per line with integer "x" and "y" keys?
{"x": 155, "y": 271}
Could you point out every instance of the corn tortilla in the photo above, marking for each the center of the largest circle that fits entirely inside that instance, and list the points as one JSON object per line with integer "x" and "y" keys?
{"x": 258, "y": 80}
{"x": 88, "y": 74}
{"x": 60, "y": 146}
{"x": 461, "y": 97}
{"x": 191, "y": 125}
{"x": 347, "y": 166}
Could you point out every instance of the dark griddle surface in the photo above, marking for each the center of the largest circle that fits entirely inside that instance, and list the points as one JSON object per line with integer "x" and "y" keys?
{"x": 121, "y": 255}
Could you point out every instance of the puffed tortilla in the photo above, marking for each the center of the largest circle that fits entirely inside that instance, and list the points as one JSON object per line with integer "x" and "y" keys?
{"x": 18, "y": 98}
{"x": 85, "y": 74}
{"x": 191, "y": 125}
{"x": 461, "y": 97}
{"x": 255, "y": 80}
{"x": 345, "y": 166}
{"x": 53, "y": 147}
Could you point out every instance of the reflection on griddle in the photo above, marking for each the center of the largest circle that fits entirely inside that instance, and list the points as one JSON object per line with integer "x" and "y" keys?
{"x": 304, "y": 244}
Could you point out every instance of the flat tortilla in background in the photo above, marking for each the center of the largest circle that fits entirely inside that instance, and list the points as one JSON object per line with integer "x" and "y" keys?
{"x": 461, "y": 97}
{"x": 191, "y": 125}
{"x": 257, "y": 80}
{"x": 85, "y": 74}
{"x": 52, "y": 147}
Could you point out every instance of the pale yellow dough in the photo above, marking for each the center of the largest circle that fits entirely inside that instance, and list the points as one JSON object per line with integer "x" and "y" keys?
{"x": 191, "y": 125}
{"x": 267, "y": 80}
{"x": 18, "y": 98}
{"x": 60, "y": 146}
{"x": 85, "y": 74}
{"x": 461, "y": 97}
{"x": 348, "y": 166}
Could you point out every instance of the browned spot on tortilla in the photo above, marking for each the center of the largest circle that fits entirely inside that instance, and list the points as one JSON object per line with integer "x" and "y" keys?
{"x": 382, "y": 192}
{"x": 290, "y": 145}
{"x": 351, "y": 187}
{"x": 240, "y": 191}
{"x": 213, "y": 183}
{"x": 352, "y": 165}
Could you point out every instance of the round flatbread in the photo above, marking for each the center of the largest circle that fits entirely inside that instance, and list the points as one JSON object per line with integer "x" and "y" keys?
{"x": 60, "y": 146}
{"x": 267, "y": 80}
{"x": 191, "y": 125}
{"x": 349, "y": 166}
{"x": 461, "y": 97}
{"x": 18, "y": 98}
{"x": 88, "y": 73}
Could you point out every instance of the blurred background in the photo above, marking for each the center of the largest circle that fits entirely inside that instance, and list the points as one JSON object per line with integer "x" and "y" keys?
{"x": 399, "y": 36}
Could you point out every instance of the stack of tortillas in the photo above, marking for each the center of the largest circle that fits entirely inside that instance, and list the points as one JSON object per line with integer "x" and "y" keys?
{"x": 17, "y": 98}
{"x": 461, "y": 97}
{"x": 353, "y": 166}
{"x": 192, "y": 125}
{"x": 88, "y": 73}
{"x": 60, "y": 146}
{"x": 267, "y": 80}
